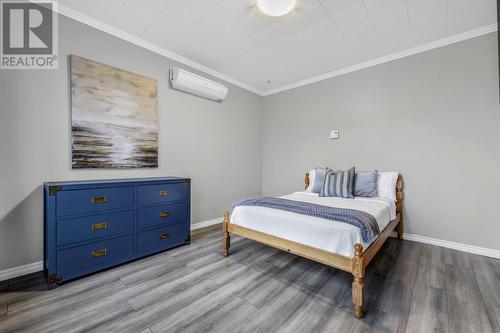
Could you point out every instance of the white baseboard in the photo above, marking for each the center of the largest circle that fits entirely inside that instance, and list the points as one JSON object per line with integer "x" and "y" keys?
{"x": 13, "y": 272}
{"x": 483, "y": 251}
{"x": 208, "y": 223}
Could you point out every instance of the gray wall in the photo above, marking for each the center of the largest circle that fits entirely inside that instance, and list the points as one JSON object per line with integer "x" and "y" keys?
{"x": 214, "y": 144}
{"x": 434, "y": 116}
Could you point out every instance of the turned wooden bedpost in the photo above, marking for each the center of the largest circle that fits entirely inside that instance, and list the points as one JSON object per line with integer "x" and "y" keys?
{"x": 399, "y": 206}
{"x": 226, "y": 239}
{"x": 358, "y": 285}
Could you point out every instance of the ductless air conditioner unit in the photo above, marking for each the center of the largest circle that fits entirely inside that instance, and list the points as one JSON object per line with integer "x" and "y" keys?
{"x": 197, "y": 85}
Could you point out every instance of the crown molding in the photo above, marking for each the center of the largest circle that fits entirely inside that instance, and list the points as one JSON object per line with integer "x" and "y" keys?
{"x": 394, "y": 56}
{"x": 82, "y": 18}
{"x": 77, "y": 16}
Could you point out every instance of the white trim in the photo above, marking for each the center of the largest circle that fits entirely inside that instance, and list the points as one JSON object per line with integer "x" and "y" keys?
{"x": 13, "y": 272}
{"x": 483, "y": 251}
{"x": 208, "y": 223}
{"x": 455, "y": 246}
{"x": 77, "y": 16}
{"x": 398, "y": 55}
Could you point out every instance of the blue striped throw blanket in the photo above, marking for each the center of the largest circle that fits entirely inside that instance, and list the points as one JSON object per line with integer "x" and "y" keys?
{"x": 366, "y": 223}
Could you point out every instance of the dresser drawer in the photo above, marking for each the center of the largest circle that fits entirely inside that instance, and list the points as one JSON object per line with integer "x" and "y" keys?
{"x": 95, "y": 254}
{"x": 94, "y": 200}
{"x": 162, "y": 215}
{"x": 162, "y": 193}
{"x": 163, "y": 238}
{"x": 93, "y": 225}
{"x": 88, "y": 228}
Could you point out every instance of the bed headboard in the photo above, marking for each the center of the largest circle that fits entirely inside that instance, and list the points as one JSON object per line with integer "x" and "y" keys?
{"x": 306, "y": 181}
{"x": 399, "y": 191}
{"x": 399, "y": 194}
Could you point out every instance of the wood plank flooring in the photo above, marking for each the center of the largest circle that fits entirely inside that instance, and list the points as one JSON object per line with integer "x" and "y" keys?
{"x": 410, "y": 287}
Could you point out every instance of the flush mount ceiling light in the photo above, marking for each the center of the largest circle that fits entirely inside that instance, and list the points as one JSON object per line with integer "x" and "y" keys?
{"x": 276, "y": 7}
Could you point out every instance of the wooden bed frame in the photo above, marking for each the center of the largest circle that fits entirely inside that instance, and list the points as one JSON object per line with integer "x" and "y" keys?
{"x": 355, "y": 265}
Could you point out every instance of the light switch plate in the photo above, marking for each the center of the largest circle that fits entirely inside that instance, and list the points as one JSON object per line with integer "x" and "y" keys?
{"x": 334, "y": 134}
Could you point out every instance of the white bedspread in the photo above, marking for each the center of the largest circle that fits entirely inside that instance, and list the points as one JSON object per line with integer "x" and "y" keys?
{"x": 324, "y": 234}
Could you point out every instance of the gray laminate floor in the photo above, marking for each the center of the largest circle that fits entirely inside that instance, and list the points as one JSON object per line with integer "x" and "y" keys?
{"x": 410, "y": 287}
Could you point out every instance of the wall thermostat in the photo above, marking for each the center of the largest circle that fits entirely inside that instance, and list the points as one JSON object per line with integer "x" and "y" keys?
{"x": 334, "y": 134}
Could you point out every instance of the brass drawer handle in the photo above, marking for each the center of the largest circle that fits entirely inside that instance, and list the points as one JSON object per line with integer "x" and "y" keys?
{"x": 164, "y": 214}
{"x": 164, "y": 236}
{"x": 99, "y": 200}
{"x": 99, "y": 226}
{"x": 164, "y": 193}
{"x": 99, "y": 253}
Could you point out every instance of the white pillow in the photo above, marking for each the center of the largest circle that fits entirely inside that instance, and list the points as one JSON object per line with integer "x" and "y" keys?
{"x": 312, "y": 177}
{"x": 386, "y": 185}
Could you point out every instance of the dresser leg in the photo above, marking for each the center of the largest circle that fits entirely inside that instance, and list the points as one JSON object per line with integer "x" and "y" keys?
{"x": 51, "y": 286}
{"x": 53, "y": 281}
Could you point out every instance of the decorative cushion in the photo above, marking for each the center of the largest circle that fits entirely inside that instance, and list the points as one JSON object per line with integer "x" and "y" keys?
{"x": 338, "y": 184}
{"x": 365, "y": 184}
{"x": 316, "y": 179}
{"x": 386, "y": 185}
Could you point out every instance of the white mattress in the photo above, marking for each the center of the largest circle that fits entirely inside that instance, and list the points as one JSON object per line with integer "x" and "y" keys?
{"x": 336, "y": 237}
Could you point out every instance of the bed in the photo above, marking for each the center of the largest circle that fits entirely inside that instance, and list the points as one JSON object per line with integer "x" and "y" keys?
{"x": 338, "y": 245}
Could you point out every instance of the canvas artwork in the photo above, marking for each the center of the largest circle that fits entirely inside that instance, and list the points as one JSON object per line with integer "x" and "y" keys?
{"x": 114, "y": 117}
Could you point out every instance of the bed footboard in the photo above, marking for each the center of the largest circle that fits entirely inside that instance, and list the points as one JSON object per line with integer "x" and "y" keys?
{"x": 355, "y": 265}
{"x": 358, "y": 285}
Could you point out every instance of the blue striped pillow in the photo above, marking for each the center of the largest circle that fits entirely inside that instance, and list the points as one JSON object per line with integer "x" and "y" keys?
{"x": 338, "y": 184}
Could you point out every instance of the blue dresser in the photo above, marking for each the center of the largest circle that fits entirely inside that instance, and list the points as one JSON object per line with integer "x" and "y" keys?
{"x": 92, "y": 225}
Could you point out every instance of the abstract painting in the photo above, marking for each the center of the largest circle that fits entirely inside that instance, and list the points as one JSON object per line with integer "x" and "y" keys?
{"x": 114, "y": 117}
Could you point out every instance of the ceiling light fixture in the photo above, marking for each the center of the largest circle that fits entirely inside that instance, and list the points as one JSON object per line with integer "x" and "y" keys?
{"x": 276, "y": 7}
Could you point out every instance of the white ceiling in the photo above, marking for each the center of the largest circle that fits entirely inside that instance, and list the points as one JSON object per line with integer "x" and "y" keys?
{"x": 320, "y": 36}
